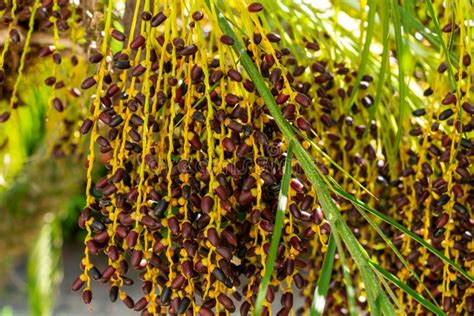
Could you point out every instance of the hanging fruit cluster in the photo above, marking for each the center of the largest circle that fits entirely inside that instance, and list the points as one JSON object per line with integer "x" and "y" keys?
{"x": 194, "y": 160}
{"x": 36, "y": 37}
{"x": 195, "y": 164}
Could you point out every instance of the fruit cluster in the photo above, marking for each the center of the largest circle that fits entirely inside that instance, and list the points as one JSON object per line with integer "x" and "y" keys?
{"x": 191, "y": 191}
{"x": 194, "y": 162}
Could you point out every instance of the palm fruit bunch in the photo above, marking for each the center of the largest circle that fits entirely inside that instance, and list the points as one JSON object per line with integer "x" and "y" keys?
{"x": 433, "y": 194}
{"x": 40, "y": 55}
{"x": 191, "y": 189}
{"x": 192, "y": 161}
